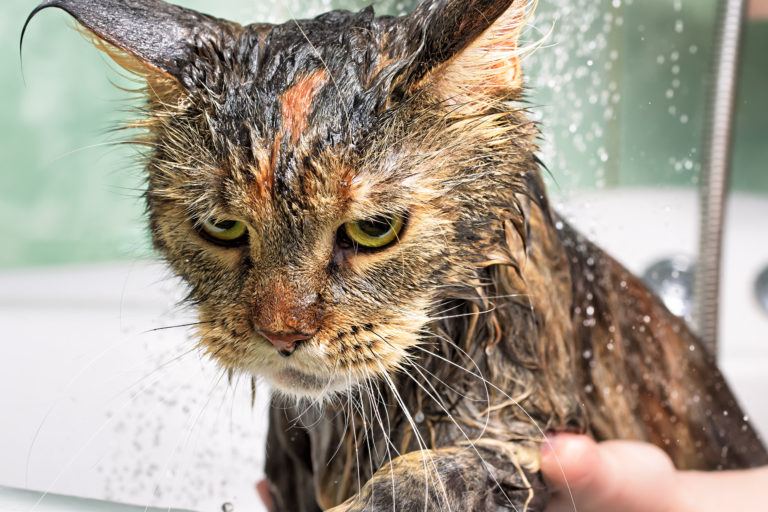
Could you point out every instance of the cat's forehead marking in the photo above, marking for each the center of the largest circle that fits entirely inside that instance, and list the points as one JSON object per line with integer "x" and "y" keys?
{"x": 296, "y": 102}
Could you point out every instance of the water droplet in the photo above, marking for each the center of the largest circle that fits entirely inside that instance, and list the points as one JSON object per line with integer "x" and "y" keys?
{"x": 419, "y": 417}
{"x": 227, "y": 507}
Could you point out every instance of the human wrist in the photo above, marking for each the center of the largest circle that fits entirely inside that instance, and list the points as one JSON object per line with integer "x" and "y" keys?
{"x": 698, "y": 491}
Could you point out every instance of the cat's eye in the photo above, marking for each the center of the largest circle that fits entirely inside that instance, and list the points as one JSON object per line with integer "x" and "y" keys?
{"x": 227, "y": 233}
{"x": 376, "y": 233}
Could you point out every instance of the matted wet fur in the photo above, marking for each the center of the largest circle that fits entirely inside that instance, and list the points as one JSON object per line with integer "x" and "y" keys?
{"x": 423, "y": 374}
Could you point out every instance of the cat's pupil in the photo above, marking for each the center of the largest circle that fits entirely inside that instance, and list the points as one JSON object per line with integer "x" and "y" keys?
{"x": 376, "y": 228}
{"x": 225, "y": 225}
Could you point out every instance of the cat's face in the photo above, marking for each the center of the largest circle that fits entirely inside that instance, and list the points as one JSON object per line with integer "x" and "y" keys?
{"x": 322, "y": 185}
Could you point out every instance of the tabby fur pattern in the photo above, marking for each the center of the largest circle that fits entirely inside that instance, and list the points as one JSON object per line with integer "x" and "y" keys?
{"x": 437, "y": 366}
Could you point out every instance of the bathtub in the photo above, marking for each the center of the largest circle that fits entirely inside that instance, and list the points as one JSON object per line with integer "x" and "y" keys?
{"x": 106, "y": 399}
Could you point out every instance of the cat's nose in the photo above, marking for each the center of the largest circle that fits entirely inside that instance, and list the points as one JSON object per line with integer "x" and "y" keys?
{"x": 286, "y": 342}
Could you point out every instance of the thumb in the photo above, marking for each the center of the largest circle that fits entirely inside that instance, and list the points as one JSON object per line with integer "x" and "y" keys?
{"x": 615, "y": 475}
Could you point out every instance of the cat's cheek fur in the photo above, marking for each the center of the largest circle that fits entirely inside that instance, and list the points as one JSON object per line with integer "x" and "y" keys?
{"x": 323, "y": 366}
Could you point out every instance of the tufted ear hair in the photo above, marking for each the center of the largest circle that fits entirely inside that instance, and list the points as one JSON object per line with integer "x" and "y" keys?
{"x": 148, "y": 37}
{"x": 468, "y": 47}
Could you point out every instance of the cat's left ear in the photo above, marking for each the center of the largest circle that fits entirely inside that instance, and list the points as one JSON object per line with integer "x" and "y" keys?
{"x": 152, "y": 38}
{"x": 469, "y": 48}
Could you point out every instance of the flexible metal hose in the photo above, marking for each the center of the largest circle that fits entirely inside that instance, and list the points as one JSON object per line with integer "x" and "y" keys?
{"x": 716, "y": 169}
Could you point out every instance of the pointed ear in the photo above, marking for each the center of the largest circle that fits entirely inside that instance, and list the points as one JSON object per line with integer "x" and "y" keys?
{"x": 469, "y": 47}
{"x": 149, "y": 37}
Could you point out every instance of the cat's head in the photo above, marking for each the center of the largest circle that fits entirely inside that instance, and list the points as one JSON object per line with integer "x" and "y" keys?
{"x": 322, "y": 185}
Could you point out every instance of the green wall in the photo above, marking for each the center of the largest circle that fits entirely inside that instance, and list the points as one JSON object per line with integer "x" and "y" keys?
{"x": 69, "y": 194}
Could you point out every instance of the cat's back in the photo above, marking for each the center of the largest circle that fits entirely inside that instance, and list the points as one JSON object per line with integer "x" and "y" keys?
{"x": 644, "y": 373}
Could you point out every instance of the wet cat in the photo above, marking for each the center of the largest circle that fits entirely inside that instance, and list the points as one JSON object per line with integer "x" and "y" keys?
{"x": 356, "y": 205}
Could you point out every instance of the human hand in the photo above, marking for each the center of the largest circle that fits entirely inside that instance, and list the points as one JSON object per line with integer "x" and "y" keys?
{"x": 615, "y": 475}
{"x": 638, "y": 477}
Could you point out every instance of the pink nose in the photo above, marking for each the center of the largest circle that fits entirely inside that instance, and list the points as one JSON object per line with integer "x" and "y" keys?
{"x": 285, "y": 342}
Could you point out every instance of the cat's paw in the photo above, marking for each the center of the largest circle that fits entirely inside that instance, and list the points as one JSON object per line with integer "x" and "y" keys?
{"x": 489, "y": 476}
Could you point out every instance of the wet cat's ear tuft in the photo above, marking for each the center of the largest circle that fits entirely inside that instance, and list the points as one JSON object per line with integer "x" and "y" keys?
{"x": 152, "y": 38}
{"x": 470, "y": 48}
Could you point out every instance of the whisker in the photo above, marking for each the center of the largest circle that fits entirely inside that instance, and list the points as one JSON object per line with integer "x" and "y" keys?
{"x": 517, "y": 404}
{"x": 419, "y": 440}
{"x": 88, "y": 442}
{"x": 156, "y": 490}
{"x": 450, "y": 416}
{"x": 179, "y": 326}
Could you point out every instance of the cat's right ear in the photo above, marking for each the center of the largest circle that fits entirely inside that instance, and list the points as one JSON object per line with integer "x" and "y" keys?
{"x": 151, "y": 38}
{"x": 467, "y": 49}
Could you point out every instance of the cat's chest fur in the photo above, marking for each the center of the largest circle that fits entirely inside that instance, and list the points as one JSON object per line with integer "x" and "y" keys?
{"x": 512, "y": 372}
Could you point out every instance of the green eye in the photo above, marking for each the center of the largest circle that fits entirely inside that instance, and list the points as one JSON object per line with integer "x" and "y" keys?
{"x": 224, "y": 232}
{"x": 375, "y": 233}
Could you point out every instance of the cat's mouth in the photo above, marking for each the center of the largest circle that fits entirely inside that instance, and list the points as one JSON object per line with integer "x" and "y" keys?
{"x": 293, "y": 381}
{"x": 319, "y": 368}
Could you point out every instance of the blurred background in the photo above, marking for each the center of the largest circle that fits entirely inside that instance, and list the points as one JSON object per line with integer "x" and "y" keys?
{"x": 99, "y": 403}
